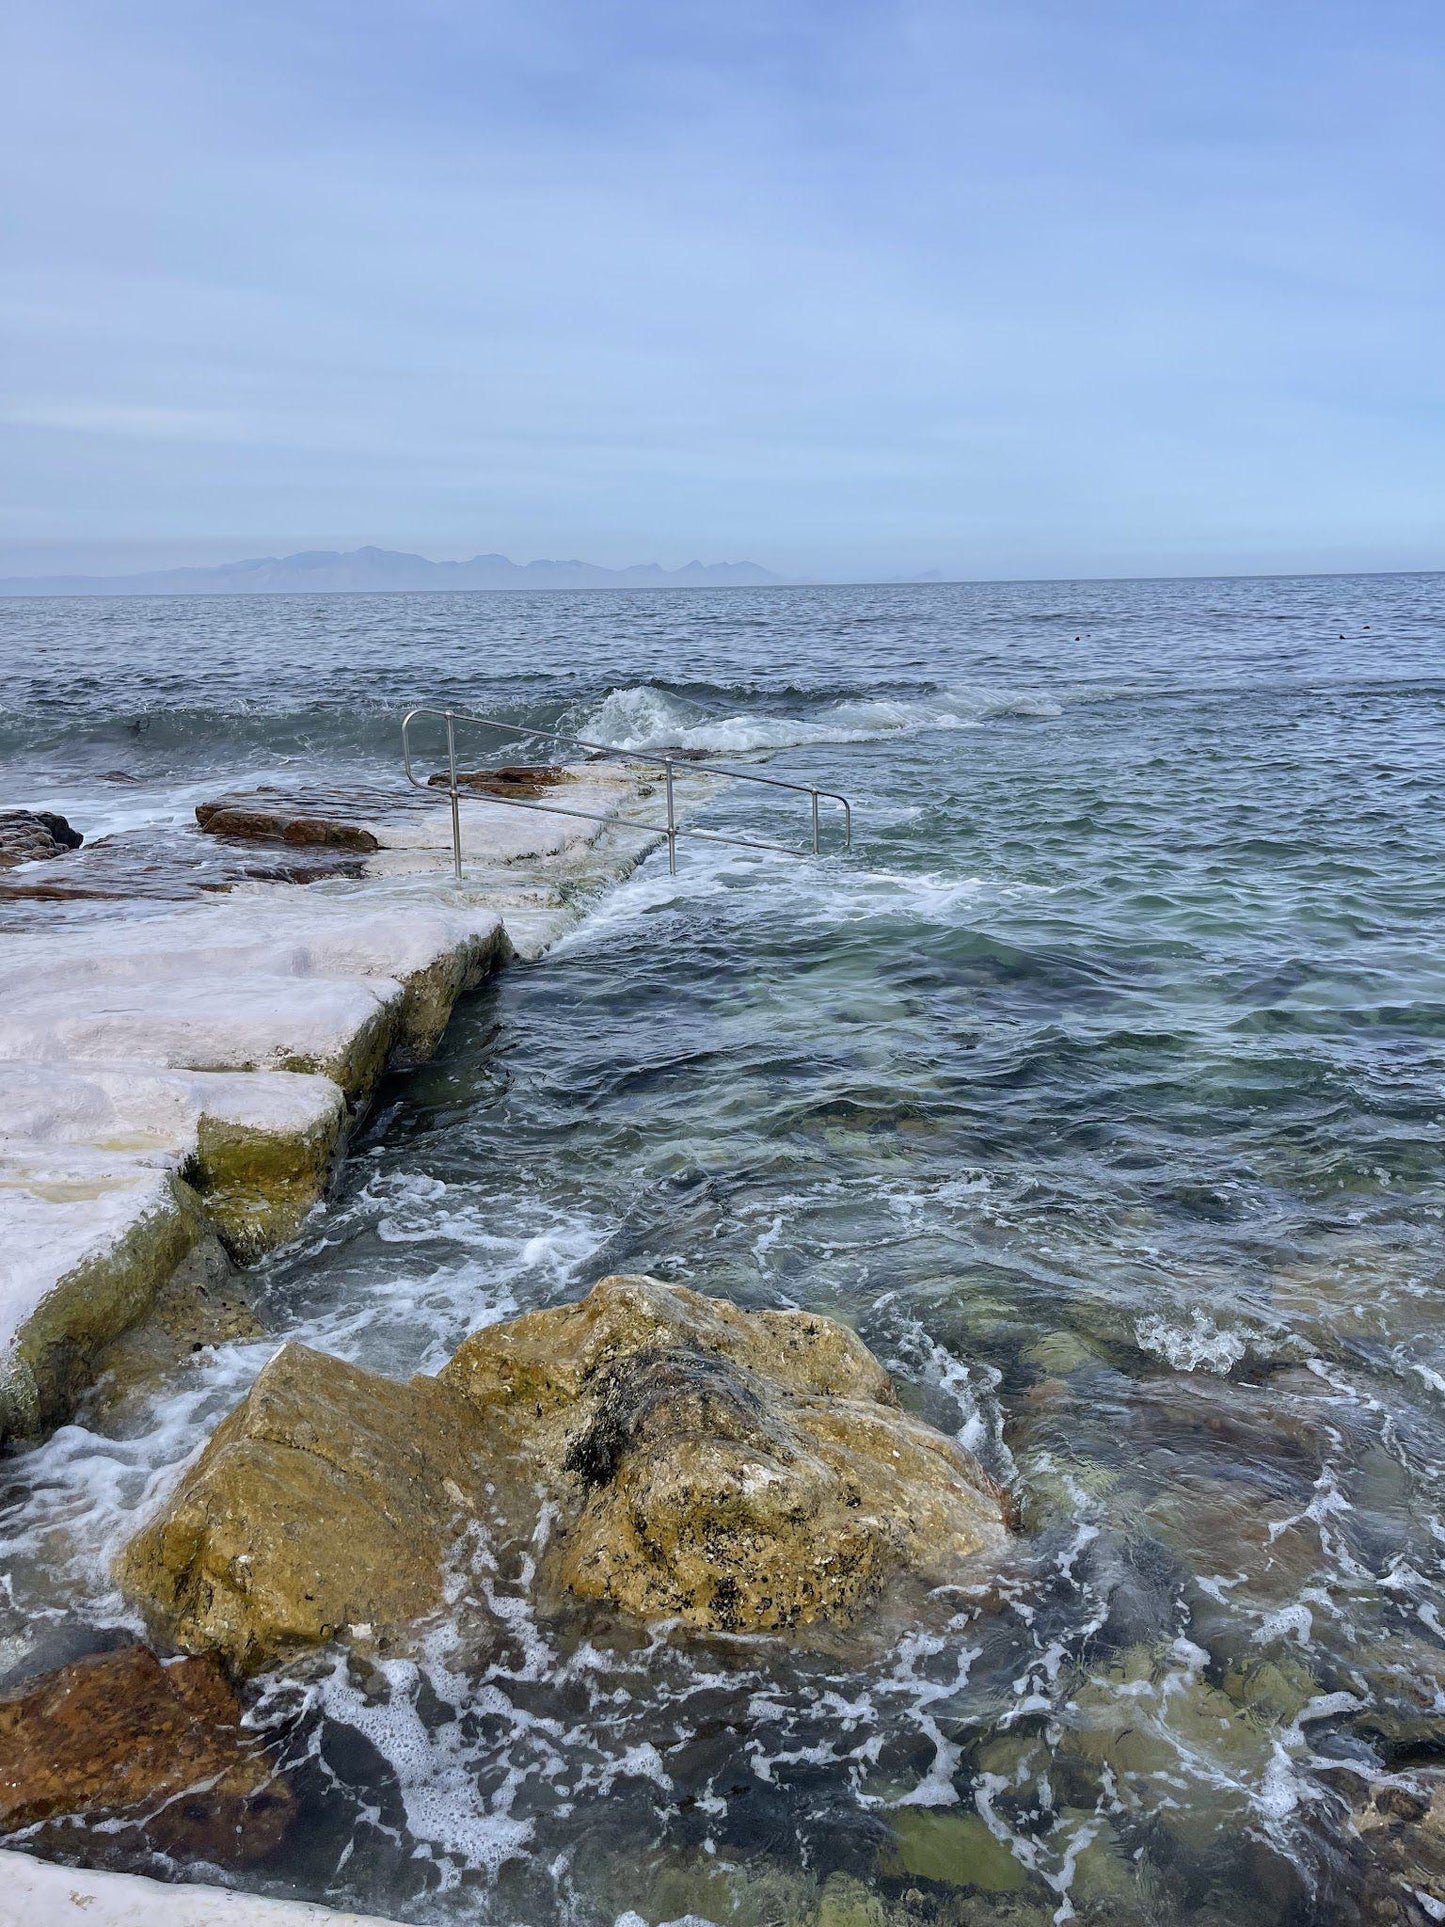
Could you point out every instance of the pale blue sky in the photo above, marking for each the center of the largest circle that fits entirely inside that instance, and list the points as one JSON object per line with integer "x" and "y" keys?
{"x": 998, "y": 287}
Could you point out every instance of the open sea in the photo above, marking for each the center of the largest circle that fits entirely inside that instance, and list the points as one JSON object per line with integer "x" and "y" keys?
{"x": 1101, "y": 1087}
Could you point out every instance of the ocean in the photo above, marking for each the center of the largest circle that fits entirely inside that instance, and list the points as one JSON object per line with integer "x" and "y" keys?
{"x": 1100, "y": 1086}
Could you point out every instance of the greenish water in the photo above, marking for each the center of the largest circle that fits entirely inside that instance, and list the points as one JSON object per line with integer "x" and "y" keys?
{"x": 1100, "y": 1087}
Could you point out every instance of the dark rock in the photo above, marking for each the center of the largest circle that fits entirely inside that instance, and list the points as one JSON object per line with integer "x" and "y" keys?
{"x": 160, "y": 865}
{"x": 31, "y": 836}
{"x": 1401, "y": 1833}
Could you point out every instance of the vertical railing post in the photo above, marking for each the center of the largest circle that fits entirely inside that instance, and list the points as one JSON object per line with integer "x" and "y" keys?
{"x": 671, "y": 825}
{"x": 452, "y": 786}
{"x": 814, "y": 795}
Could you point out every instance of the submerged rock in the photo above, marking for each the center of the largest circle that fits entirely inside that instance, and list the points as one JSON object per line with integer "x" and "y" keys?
{"x": 32, "y": 836}
{"x": 1401, "y": 1833}
{"x": 679, "y": 1459}
{"x": 953, "y": 1848}
{"x": 122, "y": 1740}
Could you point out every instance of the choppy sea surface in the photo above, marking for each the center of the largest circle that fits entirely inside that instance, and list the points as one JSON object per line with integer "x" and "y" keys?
{"x": 1100, "y": 1086}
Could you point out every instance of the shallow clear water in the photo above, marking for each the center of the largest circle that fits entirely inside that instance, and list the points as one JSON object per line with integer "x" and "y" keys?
{"x": 1100, "y": 1087}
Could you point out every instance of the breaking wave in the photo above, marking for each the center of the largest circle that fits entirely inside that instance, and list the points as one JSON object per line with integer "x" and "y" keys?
{"x": 644, "y": 717}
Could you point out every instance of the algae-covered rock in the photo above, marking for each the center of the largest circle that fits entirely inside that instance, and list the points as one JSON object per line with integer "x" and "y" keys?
{"x": 257, "y": 1184}
{"x": 202, "y": 1305}
{"x": 1058, "y": 1353}
{"x": 847, "y": 1901}
{"x": 50, "y": 1355}
{"x": 120, "y": 1740}
{"x": 733, "y": 1471}
{"x": 328, "y": 1499}
{"x": 682, "y": 1884}
{"x": 954, "y": 1848}
{"x": 1276, "y": 1689}
{"x": 1167, "y": 1743}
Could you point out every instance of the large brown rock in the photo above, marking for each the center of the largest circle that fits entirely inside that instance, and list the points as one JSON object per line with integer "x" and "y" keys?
{"x": 735, "y": 1471}
{"x": 328, "y": 1499}
{"x": 121, "y": 1740}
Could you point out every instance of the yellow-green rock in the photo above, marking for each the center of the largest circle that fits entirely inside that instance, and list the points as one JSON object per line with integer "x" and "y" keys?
{"x": 731, "y": 1470}
{"x": 953, "y": 1847}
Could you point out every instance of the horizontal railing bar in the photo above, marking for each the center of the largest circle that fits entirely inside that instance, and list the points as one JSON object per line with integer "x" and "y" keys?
{"x": 670, "y": 830}
{"x": 626, "y": 755}
{"x": 626, "y": 822}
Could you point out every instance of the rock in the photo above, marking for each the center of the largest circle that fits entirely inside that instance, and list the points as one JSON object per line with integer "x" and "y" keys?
{"x": 1273, "y": 1689}
{"x": 847, "y": 1901}
{"x": 519, "y": 780}
{"x": 1058, "y": 1354}
{"x": 201, "y": 1306}
{"x": 1402, "y": 1677}
{"x": 1150, "y": 1721}
{"x": 60, "y": 830}
{"x": 685, "y": 1885}
{"x": 121, "y": 1739}
{"x": 257, "y": 1174}
{"x": 739, "y": 1471}
{"x": 258, "y": 824}
{"x": 330, "y": 1498}
{"x": 735, "y": 1471}
{"x": 100, "y": 1219}
{"x": 134, "y": 1234}
{"x": 31, "y": 836}
{"x": 952, "y": 1847}
{"x": 1401, "y": 1831}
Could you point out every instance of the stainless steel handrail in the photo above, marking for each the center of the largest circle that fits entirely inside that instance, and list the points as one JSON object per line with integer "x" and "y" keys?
{"x": 671, "y": 829}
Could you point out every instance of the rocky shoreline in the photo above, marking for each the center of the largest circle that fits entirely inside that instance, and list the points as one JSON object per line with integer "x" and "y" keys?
{"x": 177, "y": 1088}
{"x": 185, "y": 1052}
{"x": 187, "y": 1041}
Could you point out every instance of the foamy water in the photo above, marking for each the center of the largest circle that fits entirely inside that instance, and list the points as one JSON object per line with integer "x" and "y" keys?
{"x": 1099, "y": 1087}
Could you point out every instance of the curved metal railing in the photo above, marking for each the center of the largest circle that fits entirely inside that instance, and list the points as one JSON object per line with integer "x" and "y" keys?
{"x": 671, "y": 829}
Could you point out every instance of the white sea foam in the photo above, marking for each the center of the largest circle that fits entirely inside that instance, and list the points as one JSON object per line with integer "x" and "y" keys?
{"x": 645, "y": 718}
{"x": 1198, "y": 1345}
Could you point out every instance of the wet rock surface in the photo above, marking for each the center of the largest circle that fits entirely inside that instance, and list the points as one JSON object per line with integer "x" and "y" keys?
{"x": 674, "y": 1458}
{"x": 204, "y": 1304}
{"x": 518, "y": 780}
{"x": 159, "y": 866}
{"x": 267, "y": 818}
{"x": 327, "y": 1501}
{"x": 121, "y": 1743}
{"x": 31, "y": 836}
{"x": 1401, "y": 1829}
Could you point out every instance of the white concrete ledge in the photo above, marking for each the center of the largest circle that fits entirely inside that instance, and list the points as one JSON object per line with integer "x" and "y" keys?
{"x": 185, "y": 1075}
{"x": 35, "y": 1894}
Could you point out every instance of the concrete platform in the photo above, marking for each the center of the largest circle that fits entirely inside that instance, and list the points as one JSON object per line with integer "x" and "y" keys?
{"x": 190, "y": 1073}
{"x": 33, "y": 1893}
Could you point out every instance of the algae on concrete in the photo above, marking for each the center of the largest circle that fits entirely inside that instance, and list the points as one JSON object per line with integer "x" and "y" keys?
{"x": 52, "y": 1354}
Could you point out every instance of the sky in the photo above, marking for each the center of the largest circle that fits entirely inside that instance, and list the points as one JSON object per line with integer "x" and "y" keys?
{"x": 850, "y": 288}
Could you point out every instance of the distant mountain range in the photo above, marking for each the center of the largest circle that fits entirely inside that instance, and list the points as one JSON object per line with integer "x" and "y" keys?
{"x": 366, "y": 571}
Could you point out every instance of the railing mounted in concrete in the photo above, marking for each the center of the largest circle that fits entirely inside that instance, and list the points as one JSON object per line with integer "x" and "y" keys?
{"x": 671, "y": 829}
